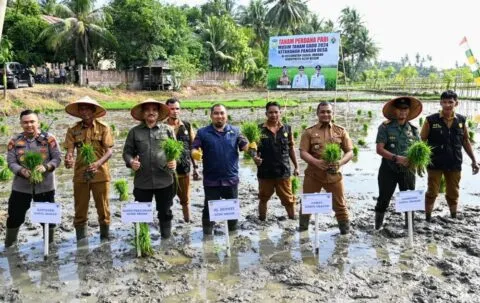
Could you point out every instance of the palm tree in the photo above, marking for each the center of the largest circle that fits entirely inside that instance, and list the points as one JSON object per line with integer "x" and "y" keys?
{"x": 214, "y": 37}
{"x": 5, "y": 56}
{"x": 286, "y": 14}
{"x": 81, "y": 25}
{"x": 254, "y": 16}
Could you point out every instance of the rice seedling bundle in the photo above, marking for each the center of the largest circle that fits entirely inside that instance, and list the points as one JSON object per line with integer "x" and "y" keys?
{"x": 359, "y": 112}
{"x": 365, "y": 127}
{"x": 251, "y": 131}
{"x": 173, "y": 149}
{"x": 195, "y": 124}
{"x": 304, "y": 126}
{"x": 370, "y": 114}
{"x": 332, "y": 153}
{"x": 418, "y": 155}
{"x": 355, "y": 151}
{"x": 31, "y": 161}
{"x": 121, "y": 187}
{"x": 87, "y": 154}
{"x": 295, "y": 184}
{"x": 471, "y": 136}
{"x": 296, "y": 133}
{"x": 145, "y": 241}
{"x": 5, "y": 173}
{"x": 361, "y": 142}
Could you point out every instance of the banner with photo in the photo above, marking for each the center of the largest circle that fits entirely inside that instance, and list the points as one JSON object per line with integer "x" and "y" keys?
{"x": 303, "y": 62}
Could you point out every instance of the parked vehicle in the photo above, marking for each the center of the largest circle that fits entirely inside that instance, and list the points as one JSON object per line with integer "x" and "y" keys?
{"x": 17, "y": 74}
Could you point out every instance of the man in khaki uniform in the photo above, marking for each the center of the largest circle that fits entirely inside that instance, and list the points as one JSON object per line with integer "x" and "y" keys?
{"x": 312, "y": 143}
{"x": 95, "y": 177}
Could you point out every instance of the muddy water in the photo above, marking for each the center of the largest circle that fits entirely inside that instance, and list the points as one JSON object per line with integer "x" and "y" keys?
{"x": 270, "y": 260}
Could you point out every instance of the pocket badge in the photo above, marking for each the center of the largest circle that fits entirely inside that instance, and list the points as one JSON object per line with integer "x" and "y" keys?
{"x": 185, "y": 132}
{"x": 460, "y": 125}
{"x": 285, "y": 134}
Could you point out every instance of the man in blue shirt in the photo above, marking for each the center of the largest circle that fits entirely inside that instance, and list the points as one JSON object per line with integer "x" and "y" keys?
{"x": 220, "y": 143}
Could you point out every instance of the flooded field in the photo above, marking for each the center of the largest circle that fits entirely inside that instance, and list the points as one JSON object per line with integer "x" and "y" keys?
{"x": 270, "y": 261}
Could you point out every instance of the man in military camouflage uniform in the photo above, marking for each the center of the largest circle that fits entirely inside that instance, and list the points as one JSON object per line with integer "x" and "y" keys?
{"x": 31, "y": 139}
{"x": 393, "y": 139}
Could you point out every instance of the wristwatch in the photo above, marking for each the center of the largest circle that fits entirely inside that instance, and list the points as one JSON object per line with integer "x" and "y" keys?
{"x": 394, "y": 158}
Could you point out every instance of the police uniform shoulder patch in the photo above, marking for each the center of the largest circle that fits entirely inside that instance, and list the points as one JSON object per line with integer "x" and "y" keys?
{"x": 11, "y": 144}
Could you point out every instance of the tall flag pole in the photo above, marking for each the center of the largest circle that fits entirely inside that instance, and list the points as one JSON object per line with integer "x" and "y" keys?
{"x": 474, "y": 64}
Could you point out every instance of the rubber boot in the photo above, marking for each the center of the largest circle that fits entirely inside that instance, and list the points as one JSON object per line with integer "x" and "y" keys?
{"x": 453, "y": 215}
{"x": 81, "y": 231}
{"x": 104, "y": 232}
{"x": 232, "y": 225}
{"x": 290, "y": 208}
{"x": 428, "y": 217}
{"x": 379, "y": 219}
{"x": 166, "y": 230}
{"x": 11, "y": 236}
{"x": 344, "y": 227}
{"x": 262, "y": 211}
{"x": 304, "y": 221}
{"x": 207, "y": 228}
{"x": 186, "y": 212}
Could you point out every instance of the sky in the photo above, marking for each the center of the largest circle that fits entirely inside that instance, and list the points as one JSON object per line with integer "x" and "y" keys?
{"x": 402, "y": 27}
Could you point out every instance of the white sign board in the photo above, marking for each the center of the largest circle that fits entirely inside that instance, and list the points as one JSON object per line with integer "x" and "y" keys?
{"x": 45, "y": 212}
{"x": 410, "y": 200}
{"x": 317, "y": 203}
{"x": 222, "y": 210}
{"x": 138, "y": 212}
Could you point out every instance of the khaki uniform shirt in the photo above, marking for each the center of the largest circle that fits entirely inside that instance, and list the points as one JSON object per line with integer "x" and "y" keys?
{"x": 100, "y": 137}
{"x": 313, "y": 141}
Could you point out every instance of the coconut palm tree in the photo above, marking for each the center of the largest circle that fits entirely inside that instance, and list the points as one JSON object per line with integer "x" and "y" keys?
{"x": 286, "y": 14}
{"x": 80, "y": 26}
{"x": 254, "y": 16}
{"x": 214, "y": 36}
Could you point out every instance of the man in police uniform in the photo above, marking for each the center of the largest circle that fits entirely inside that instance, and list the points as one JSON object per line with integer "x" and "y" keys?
{"x": 393, "y": 139}
{"x": 184, "y": 133}
{"x": 31, "y": 139}
{"x": 447, "y": 133}
{"x": 320, "y": 174}
{"x": 95, "y": 177}
{"x": 275, "y": 151}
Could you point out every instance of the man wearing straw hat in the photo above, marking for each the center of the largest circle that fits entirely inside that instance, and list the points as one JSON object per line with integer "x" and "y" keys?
{"x": 447, "y": 133}
{"x": 94, "y": 177}
{"x": 393, "y": 139}
{"x": 32, "y": 139}
{"x": 143, "y": 153}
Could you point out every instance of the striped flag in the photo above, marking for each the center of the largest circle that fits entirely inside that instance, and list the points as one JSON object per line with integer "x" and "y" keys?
{"x": 474, "y": 65}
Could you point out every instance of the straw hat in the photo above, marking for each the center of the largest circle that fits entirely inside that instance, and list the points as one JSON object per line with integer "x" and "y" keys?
{"x": 413, "y": 103}
{"x": 72, "y": 108}
{"x": 137, "y": 112}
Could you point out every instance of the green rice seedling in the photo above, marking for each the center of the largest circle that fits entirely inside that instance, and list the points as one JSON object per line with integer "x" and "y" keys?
{"x": 43, "y": 126}
{"x": 252, "y": 109}
{"x": 295, "y": 184}
{"x": 121, "y": 187}
{"x": 470, "y": 123}
{"x": 291, "y": 114}
{"x": 3, "y": 162}
{"x": 173, "y": 149}
{"x": 1, "y": 119}
{"x": 296, "y": 133}
{"x": 365, "y": 127}
{"x": 355, "y": 151}
{"x": 5, "y": 173}
{"x": 206, "y": 112}
{"x": 443, "y": 185}
{"x": 418, "y": 155}
{"x": 302, "y": 117}
{"x": 87, "y": 154}
{"x": 113, "y": 127}
{"x": 370, "y": 114}
{"x": 31, "y": 161}
{"x": 285, "y": 120}
{"x": 195, "y": 124}
{"x": 356, "y": 120}
{"x": 251, "y": 131}
{"x": 362, "y": 142}
{"x": 247, "y": 156}
{"x": 420, "y": 121}
{"x": 471, "y": 136}
{"x": 310, "y": 109}
{"x": 332, "y": 153}
{"x": 359, "y": 112}
{"x": 304, "y": 126}
{"x": 145, "y": 241}
{"x": 230, "y": 118}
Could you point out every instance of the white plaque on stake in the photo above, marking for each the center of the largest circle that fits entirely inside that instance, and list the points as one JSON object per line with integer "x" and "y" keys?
{"x": 410, "y": 200}
{"x": 138, "y": 212}
{"x": 45, "y": 212}
{"x": 222, "y": 210}
{"x": 317, "y": 203}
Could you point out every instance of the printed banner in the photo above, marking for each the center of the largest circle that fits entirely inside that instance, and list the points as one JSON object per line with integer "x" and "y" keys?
{"x": 303, "y": 62}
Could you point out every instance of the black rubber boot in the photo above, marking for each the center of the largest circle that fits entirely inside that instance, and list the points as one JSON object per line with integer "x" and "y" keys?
{"x": 453, "y": 215}
{"x": 304, "y": 221}
{"x": 232, "y": 225}
{"x": 166, "y": 230}
{"x": 379, "y": 216}
{"x": 207, "y": 228}
{"x": 428, "y": 217}
{"x": 11, "y": 236}
{"x": 344, "y": 227}
{"x": 81, "y": 232}
{"x": 104, "y": 232}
